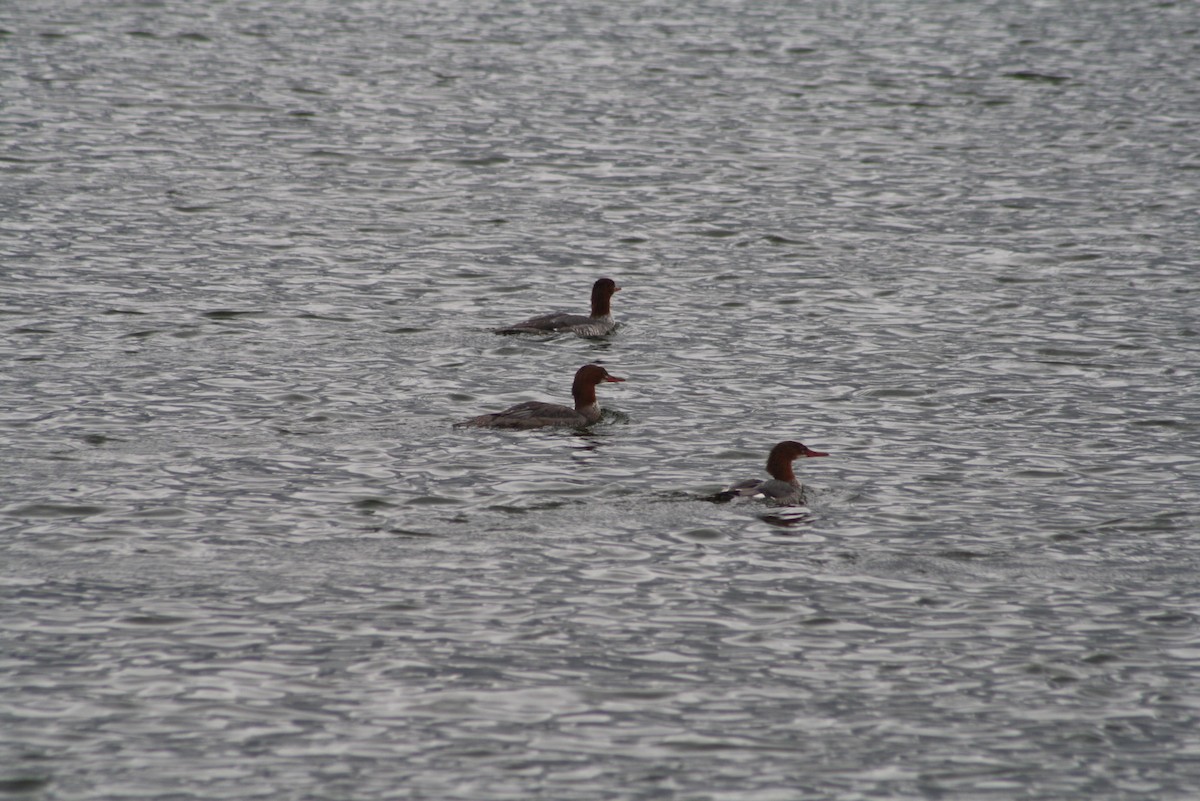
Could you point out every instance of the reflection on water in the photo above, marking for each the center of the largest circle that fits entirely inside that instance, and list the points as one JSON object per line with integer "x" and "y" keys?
{"x": 787, "y": 519}
{"x": 253, "y": 257}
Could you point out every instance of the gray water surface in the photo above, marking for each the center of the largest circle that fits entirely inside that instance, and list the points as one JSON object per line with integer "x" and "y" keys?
{"x": 250, "y": 255}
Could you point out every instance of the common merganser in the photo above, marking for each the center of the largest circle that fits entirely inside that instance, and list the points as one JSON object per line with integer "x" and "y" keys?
{"x": 536, "y": 414}
{"x": 598, "y": 323}
{"x": 781, "y": 488}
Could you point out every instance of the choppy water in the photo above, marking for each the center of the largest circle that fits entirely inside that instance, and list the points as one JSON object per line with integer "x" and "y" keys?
{"x": 250, "y": 256}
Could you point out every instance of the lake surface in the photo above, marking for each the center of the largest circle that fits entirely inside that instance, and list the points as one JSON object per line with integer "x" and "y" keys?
{"x": 251, "y": 254}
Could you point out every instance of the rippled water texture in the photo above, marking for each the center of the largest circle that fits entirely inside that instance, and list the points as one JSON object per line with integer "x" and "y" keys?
{"x": 251, "y": 254}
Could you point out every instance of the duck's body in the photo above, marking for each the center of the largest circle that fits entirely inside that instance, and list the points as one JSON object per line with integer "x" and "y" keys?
{"x": 535, "y": 414}
{"x": 563, "y": 322}
{"x": 784, "y": 493}
{"x": 538, "y": 414}
{"x": 596, "y": 324}
{"x": 782, "y": 488}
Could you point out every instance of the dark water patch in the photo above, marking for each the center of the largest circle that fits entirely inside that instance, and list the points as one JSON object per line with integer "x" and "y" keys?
{"x": 1037, "y": 77}
{"x": 778, "y": 239}
{"x": 702, "y": 535}
{"x": 1100, "y": 659}
{"x": 324, "y": 154}
{"x": 962, "y": 556}
{"x": 406, "y": 532}
{"x": 231, "y": 314}
{"x": 373, "y": 504}
{"x": 56, "y": 510}
{"x": 431, "y": 500}
{"x": 331, "y": 318}
{"x": 1017, "y": 279}
{"x": 295, "y": 397}
{"x": 691, "y": 745}
{"x": 1069, "y": 353}
{"x": 1040, "y": 474}
{"x": 896, "y": 392}
{"x": 509, "y": 509}
{"x": 24, "y": 785}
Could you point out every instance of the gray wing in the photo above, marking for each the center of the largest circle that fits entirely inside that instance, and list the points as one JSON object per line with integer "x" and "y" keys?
{"x": 781, "y": 492}
{"x": 531, "y": 414}
{"x": 778, "y": 492}
{"x": 748, "y": 487}
{"x": 545, "y": 322}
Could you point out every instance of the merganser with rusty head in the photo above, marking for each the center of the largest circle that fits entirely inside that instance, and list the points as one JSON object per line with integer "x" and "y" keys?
{"x": 536, "y": 414}
{"x": 597, "y": 324}
{"x": 782, "y": 488}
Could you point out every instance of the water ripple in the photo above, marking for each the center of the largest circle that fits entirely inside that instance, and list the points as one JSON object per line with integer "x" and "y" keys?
{"x": 252, "y": 258}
